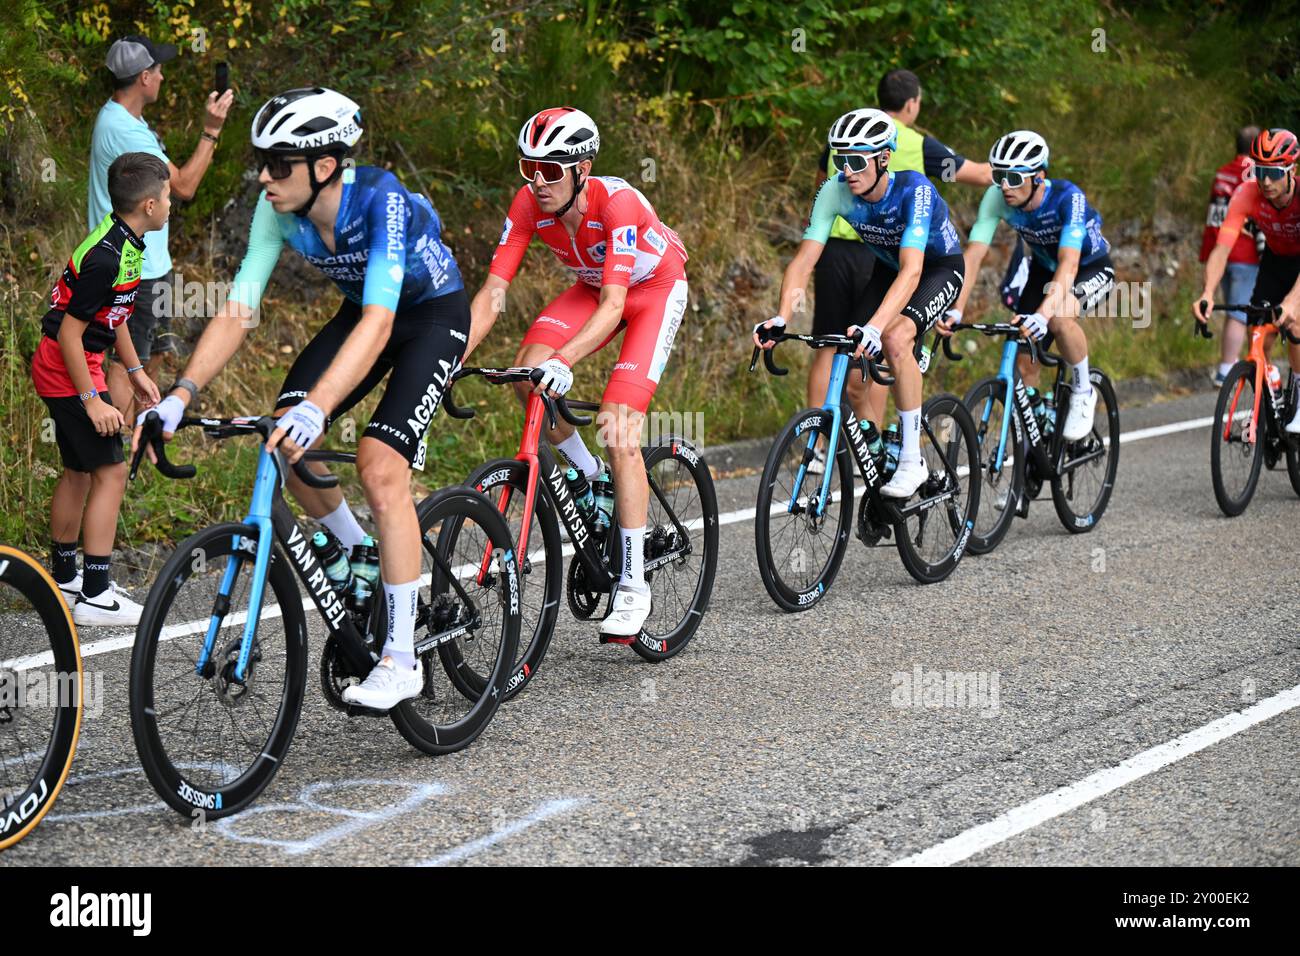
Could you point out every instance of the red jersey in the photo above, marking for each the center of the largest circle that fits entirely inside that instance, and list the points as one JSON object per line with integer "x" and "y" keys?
{"x": 1280, "y": 227}
{"x": 620, "y": 242}
{"x": 1226, "y": 180}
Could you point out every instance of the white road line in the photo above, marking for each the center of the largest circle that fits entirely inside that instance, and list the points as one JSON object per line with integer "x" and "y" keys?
{"x": 1029, "y": 815}
{"x": 730, "y": 517}
{"x": 548, "y": 809}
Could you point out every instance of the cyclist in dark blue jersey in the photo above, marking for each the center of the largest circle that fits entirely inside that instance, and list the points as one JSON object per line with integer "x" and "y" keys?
{"x": 1068, "y": 251}
{"x": 918, "y": 275}
{"x": 405, "y": 315}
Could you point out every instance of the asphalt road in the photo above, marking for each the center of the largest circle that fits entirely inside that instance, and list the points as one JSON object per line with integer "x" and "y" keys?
{"x": 791, "y": 739}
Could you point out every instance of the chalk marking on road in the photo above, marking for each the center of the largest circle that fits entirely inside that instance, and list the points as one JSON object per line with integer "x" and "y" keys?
{"x": 544, "y": 811}
{"x": 1047, "y": 807}
{"x": 224, "y": 768}
{"x": 731, "y": 517}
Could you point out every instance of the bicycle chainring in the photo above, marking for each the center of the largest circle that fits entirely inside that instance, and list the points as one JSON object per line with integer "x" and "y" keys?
{"x": 335, "y": 675}
{"x": 583, "y": 601}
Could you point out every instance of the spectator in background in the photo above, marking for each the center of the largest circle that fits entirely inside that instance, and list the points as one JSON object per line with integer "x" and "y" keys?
{"x": 842, "y": 272}
{"x": 136, "y": 64}
{"x": 1243, "y": 259}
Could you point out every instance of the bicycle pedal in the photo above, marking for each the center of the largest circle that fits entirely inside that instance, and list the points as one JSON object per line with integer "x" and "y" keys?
{"x": 611, "y": 639}
{"x": 356, "y": 710}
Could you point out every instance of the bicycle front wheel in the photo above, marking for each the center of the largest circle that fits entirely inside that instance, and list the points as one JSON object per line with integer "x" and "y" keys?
{"x": 467, "y": 641}
{"x": 801, "y": 538}
{"x": 1002, "y": 484}
{"x": 208, "y": 741}
{"x": 1089, "y": 465}
{"x": 1236, "y": 453}
{"x": 936, "y": 525}
{"x": 40, "y": 694}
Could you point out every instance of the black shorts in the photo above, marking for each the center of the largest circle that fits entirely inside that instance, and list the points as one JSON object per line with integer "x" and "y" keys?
{"x": 1092, "y": 283}
{"x": 423, "y": 352}
{"x": 1277, "y": 276}
{"x": 81, "y": 447}
{"x": 936, "y": 291}
{"x": 840, "y": 286}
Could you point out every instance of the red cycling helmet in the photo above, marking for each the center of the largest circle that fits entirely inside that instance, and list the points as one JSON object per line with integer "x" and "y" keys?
{"x": 1275, "y": 147}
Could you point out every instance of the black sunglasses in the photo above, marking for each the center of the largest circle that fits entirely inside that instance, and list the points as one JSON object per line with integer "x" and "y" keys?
{"x": 279, "y": 166}
{"x": 1271, "y": 172}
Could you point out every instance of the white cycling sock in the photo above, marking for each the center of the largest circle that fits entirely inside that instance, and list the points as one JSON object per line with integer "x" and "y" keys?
{"x": 1080, "y": 383}
{"x": 909, "y": 424}
{"x": 633, "y": 557}
{"x": 575, "y": 449}
{"x": 400, "y": 599}
{"x": 343, "y": 525}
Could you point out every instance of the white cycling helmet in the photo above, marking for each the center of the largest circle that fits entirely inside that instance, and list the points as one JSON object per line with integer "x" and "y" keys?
{"x": 864, "y": 131}
{"x": 559, "y": 133}
{"x": 308, "y": 121}
{"x": 1022, "y": 150}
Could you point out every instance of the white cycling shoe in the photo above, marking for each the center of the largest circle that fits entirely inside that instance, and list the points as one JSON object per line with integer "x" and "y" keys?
{"x": 1293, "y": 426}
{"x": 818, "y": 464}
{"x": 627, "y": 614}
{"x": 386, "y": 686}
{"x": 1083, "y": 409}
{"x": 111, "y": 608}
{"x": 909, "y": 476}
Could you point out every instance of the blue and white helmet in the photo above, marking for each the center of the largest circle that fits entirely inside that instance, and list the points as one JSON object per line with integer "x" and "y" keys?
{"x": 867, "y": 131}
{"x": 1022, "y": 150}
{"x": 309, "y": 120}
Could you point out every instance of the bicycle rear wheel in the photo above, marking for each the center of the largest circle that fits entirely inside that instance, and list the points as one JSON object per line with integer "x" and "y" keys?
{"x": 208, "y": 743}
{"x": 40, "y": 694}
{"x": 1236, "y": 453}
{"x": 1089, "y": 465}
{"x": 681, "y": 547}
{"x": 470, "y": 633}
{"x": 800, "y": 549}
{"x": 937, "y": 523}
{"x": 1002, "y": 486}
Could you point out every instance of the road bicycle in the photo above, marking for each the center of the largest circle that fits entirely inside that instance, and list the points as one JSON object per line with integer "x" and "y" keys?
{"x": 1022, "y": 451}
{"x": 801, "y": 522}
{"x": 532, "y": 493}
{"x": 1248, "y": 432}
{"x": 40, "y": 694}
{"x": 219, "y": 667}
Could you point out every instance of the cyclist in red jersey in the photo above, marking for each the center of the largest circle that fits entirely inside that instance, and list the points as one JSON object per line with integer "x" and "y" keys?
{"x": 629, "y": 276}
{"x": 1271, "y": 200}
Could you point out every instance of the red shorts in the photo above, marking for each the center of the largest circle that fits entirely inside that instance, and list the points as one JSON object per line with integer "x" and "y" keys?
{"x": 651, "y": 315}
{"x": 51, "y": 377}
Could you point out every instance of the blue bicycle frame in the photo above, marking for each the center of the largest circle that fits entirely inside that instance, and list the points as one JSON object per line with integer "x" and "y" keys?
{"x": 834, "y": 392}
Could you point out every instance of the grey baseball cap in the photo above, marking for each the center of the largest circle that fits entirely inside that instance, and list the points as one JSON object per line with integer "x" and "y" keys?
{"x": 134, "y": 54}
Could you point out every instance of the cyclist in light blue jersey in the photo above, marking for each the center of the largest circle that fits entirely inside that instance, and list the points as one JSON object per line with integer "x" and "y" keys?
{"x": 404, "y": 317}
{"x": 1067, "y": 251}
{"x": 904, "y": 222}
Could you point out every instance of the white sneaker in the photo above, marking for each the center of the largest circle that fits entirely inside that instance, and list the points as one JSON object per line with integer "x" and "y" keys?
{"x": 910, "y": 476}
{"x": 111, "y": 608}
{"x": 818, "y": 464}
{"x": 69, "y": 590}
{"x": 386, "y": 686}
{"x": 627, "y": 613}
{"x": 1083, "y": 408}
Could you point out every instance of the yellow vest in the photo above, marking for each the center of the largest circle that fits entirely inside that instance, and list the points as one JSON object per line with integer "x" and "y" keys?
{"x": 909, "y": 155}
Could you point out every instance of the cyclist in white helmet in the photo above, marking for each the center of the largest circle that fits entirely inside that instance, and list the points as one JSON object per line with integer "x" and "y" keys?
{"x": 1063, "y": 234}
{"x": 404, "y": 316}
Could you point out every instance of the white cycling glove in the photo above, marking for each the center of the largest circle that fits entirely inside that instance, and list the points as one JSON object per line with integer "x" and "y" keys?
{"x": 1035, "y": 324}
{"x": 778, "y": 323}
{"x": 556, "y": 375}
{"x": 870, "y": 339}
{"x": 953, "y": 316}
{"x": 302, "y": 424}
{"x": 170, "y": 410}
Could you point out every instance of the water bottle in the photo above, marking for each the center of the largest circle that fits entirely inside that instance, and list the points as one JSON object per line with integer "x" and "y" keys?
{"x": 332, "y": 558}
{"x": 1274, "y": 377}
{"x": 603, "y": 491}
{"x": 893, "y": 447}
{"x": 581, "y": 490}
{"x": 924, "y": 361}
{"x": 1049, "y": 413}
{"x": 365, "y": 572}
{"x": 1036, "y": 405}
{"x": 875, "y": 444}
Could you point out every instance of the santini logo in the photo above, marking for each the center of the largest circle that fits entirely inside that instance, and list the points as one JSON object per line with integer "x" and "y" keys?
{"x": 103, "y": 909}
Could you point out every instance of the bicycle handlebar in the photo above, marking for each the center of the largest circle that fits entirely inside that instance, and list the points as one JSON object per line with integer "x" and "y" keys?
{"x": 151, "y": 436}
{"x": 1255, "y": 315}
{"x": 879, "y": 373}
{"x": 556, "y": 405}
{"x": 1008, "y": 330}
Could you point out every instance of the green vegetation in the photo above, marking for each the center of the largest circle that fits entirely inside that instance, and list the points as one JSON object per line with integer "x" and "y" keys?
{"x": 715, "y": 110}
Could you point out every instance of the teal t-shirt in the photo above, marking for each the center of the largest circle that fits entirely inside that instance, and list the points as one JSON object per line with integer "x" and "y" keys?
{"x": 118, "y": 132}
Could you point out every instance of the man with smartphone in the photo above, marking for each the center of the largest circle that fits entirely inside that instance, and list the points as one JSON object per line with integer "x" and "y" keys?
{"x": 136, "y": 65}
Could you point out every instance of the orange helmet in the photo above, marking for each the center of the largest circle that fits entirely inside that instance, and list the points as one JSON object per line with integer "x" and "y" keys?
{"x": 1275, "y": 147}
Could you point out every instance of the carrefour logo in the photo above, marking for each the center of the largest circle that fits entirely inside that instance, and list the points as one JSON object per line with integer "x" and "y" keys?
{"x": 625, "y": 241}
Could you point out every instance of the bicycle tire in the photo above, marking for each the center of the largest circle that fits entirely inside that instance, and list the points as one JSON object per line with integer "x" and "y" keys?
{"x": 1063, "y": 486}
{"x": 27, "y": 802}
{"x": 1230, "y": 503}
{"x": 982, "y": 400}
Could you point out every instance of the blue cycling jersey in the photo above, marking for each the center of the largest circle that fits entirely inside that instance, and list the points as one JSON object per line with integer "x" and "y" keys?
{"x": 1064, "y": 220}
{"x": 911, "y": 215}
{"x": 388, "y": 248}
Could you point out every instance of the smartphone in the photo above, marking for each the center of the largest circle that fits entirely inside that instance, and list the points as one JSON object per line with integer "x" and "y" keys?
{"x": 222, "y": 82}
